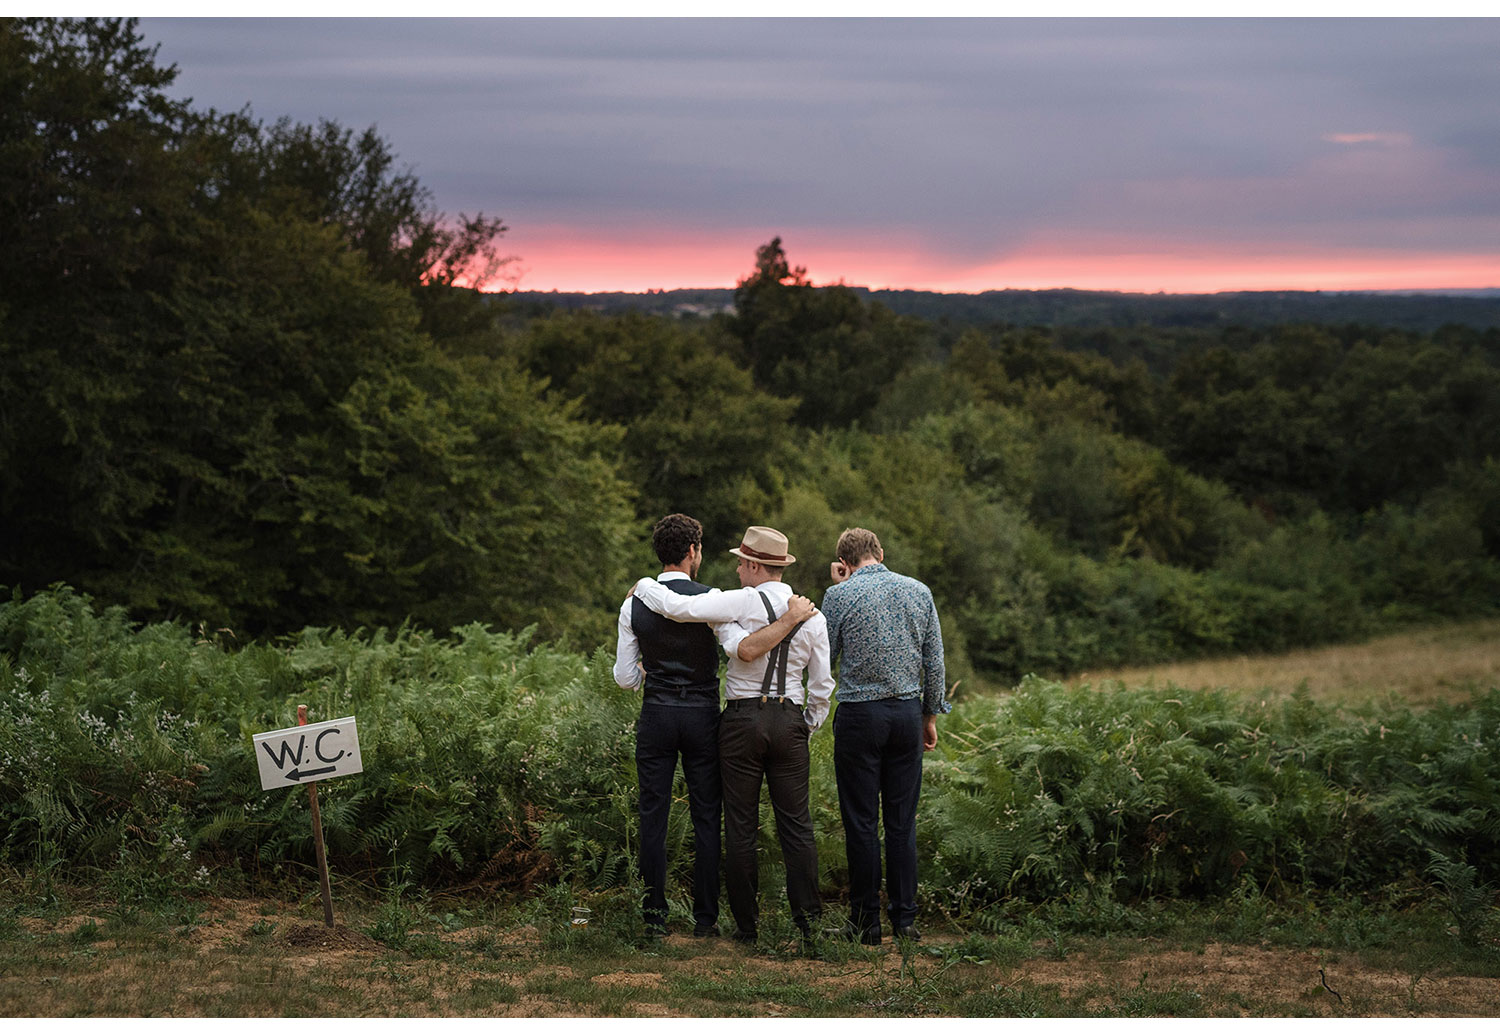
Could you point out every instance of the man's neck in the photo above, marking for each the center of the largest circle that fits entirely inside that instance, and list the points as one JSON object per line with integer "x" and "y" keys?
{"x": 683, "y": 568}
{"x": 765, "y": 579}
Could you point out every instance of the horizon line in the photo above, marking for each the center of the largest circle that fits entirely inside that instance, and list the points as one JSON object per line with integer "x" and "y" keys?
{"x": 1443, "y": 291}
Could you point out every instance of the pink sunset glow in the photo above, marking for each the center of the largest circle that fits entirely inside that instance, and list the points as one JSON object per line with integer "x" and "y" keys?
{"x": 558, "y": 259}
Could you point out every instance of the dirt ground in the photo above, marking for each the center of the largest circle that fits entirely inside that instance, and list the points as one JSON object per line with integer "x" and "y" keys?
{"x": 1287, "y": 975}
{"x": 230, "y": 962}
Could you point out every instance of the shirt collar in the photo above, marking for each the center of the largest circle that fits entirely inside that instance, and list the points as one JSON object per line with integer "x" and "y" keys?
{"x": 877, "y": 566}
{"x": 671, "y": 576}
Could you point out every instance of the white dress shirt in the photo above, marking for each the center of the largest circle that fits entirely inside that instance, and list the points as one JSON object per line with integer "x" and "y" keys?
{"x": 628, "y": 670}
{"x": 740, "y": 612}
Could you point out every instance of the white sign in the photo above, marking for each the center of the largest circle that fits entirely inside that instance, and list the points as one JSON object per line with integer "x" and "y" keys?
{"x": 302, "y": 754}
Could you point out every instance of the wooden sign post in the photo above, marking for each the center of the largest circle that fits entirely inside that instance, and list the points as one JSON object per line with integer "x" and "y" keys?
{"x": 317, "y": 825}
{"x": 316, "y": 752}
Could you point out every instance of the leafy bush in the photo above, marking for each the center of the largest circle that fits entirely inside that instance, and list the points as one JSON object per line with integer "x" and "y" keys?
{"x": 1125, "y": 793}
{"x": 477, "y": 751}
{"x": 127, "y": 750}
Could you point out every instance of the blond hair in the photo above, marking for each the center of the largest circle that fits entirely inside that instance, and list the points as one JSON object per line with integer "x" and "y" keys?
{"x": 855, "y": 544}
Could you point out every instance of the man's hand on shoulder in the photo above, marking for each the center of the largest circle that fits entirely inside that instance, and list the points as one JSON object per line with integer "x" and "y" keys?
{"x": 636, "y": 587}
{"x": 801, "y": 609}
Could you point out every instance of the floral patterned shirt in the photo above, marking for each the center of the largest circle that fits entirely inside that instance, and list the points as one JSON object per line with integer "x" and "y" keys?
{"x": 883, "y": 629}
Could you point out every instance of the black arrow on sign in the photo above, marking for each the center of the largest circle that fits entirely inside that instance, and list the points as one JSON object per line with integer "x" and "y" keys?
{"x": 297, "y": 774}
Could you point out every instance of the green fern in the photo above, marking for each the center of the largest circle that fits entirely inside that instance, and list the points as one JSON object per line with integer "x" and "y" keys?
{"x": 480, "y": 746}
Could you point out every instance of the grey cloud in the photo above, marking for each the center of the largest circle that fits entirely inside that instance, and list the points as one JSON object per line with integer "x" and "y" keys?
{"x": 971, "y": 133}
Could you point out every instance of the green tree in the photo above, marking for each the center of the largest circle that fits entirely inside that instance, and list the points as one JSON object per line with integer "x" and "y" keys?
{"x": 823, "y": 345}
{"x": 698, "y": 436}
{"x": 331, "y": 175}
{"x": 214, "y": 405}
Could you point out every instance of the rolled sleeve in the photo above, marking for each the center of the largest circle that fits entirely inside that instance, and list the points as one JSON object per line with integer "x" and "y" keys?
{"x": 730, "y": 634}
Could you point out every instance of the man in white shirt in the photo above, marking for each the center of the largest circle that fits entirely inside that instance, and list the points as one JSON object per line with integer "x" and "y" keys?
{"x": 767, "y": 719}
{"x": 676, "y": 667}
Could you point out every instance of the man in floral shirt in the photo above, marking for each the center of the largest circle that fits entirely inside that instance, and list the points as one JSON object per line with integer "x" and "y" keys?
{"x": 883, "y": 631}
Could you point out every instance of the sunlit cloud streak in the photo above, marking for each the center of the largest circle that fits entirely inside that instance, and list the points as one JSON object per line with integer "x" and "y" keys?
{"x": 1386, "y": 139}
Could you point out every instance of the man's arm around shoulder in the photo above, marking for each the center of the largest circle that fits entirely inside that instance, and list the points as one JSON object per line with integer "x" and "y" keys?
{"x": 712, "y": 606}
{"x": 799, "y": 610}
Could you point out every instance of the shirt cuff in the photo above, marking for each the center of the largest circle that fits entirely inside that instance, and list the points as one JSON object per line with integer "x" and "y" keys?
{"x": 731, "y": 635}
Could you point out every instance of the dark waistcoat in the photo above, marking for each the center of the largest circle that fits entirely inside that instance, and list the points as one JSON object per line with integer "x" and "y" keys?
{"x": 681, "y": 659}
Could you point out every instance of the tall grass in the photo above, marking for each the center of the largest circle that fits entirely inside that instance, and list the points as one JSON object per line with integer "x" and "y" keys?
{"x": 126, "y": 750}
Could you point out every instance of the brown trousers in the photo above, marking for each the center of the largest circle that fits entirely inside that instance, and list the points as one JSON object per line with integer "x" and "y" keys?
{"x": 767, "y": 741}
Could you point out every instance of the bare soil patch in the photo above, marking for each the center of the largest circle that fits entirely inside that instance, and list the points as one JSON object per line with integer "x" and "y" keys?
{"x": 1289, "y": 976}
{"x": 337, "y": 938}
{"x": 628, "y": 979}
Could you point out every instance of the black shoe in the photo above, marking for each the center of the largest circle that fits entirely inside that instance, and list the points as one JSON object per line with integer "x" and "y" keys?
{"x": 908, "y": 933}
{"x": 745, "y": 936}
{"x": 706, "y": 931}
{"x": 863, "y": 935}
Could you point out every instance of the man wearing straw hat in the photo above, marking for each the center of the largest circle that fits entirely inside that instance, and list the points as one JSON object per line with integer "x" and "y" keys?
{"x": 677, "y": 668}
{"x": 768, "y": 716}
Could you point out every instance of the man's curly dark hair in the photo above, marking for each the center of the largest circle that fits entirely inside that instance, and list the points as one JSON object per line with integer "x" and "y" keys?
{"x": 674, "y": 535}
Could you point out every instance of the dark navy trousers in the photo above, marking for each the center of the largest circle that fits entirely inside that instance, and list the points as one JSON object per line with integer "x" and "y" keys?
{"x": 662, "y": 733}
{"x": 877, "y": 762}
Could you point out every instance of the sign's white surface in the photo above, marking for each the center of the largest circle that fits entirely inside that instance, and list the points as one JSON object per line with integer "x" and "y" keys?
{"x": 302, "y": 754}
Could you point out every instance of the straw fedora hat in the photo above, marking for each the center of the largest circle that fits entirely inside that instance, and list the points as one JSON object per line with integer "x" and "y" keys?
{"x": 765, "y": 546}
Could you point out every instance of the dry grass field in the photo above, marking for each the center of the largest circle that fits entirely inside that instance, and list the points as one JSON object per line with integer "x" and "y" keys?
{"x": 258, "y": 958}
{"x": 1420, "y": 667}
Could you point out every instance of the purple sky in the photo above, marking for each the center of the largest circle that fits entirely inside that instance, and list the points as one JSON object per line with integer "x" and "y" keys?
{"x": 950, "y": 153}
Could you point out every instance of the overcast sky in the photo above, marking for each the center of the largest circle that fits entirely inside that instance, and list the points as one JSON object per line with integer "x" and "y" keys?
{"x": 956, "y": 154}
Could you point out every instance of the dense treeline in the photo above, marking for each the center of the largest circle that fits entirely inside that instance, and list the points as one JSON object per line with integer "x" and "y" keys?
{"x": 1182, "y": 316}
{"x": 235, "y": 384}
{"x": 242, "y": 385}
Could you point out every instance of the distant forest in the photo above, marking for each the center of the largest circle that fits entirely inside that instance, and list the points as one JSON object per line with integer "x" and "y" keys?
{"x": 1121, "y": 326}
{"x": 1065, "y": 307}
{"x": 240, "y": 387}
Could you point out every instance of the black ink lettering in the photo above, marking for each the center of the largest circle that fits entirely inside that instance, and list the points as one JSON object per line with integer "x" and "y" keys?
{"x": 318, "y": 746}
{"x": 286, "y": 752}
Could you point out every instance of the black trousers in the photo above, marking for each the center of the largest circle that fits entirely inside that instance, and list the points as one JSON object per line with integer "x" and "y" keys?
{"x": 662, "y": 733}
{"x": 767, "y": 742}
{"x": 877, "y": 762}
